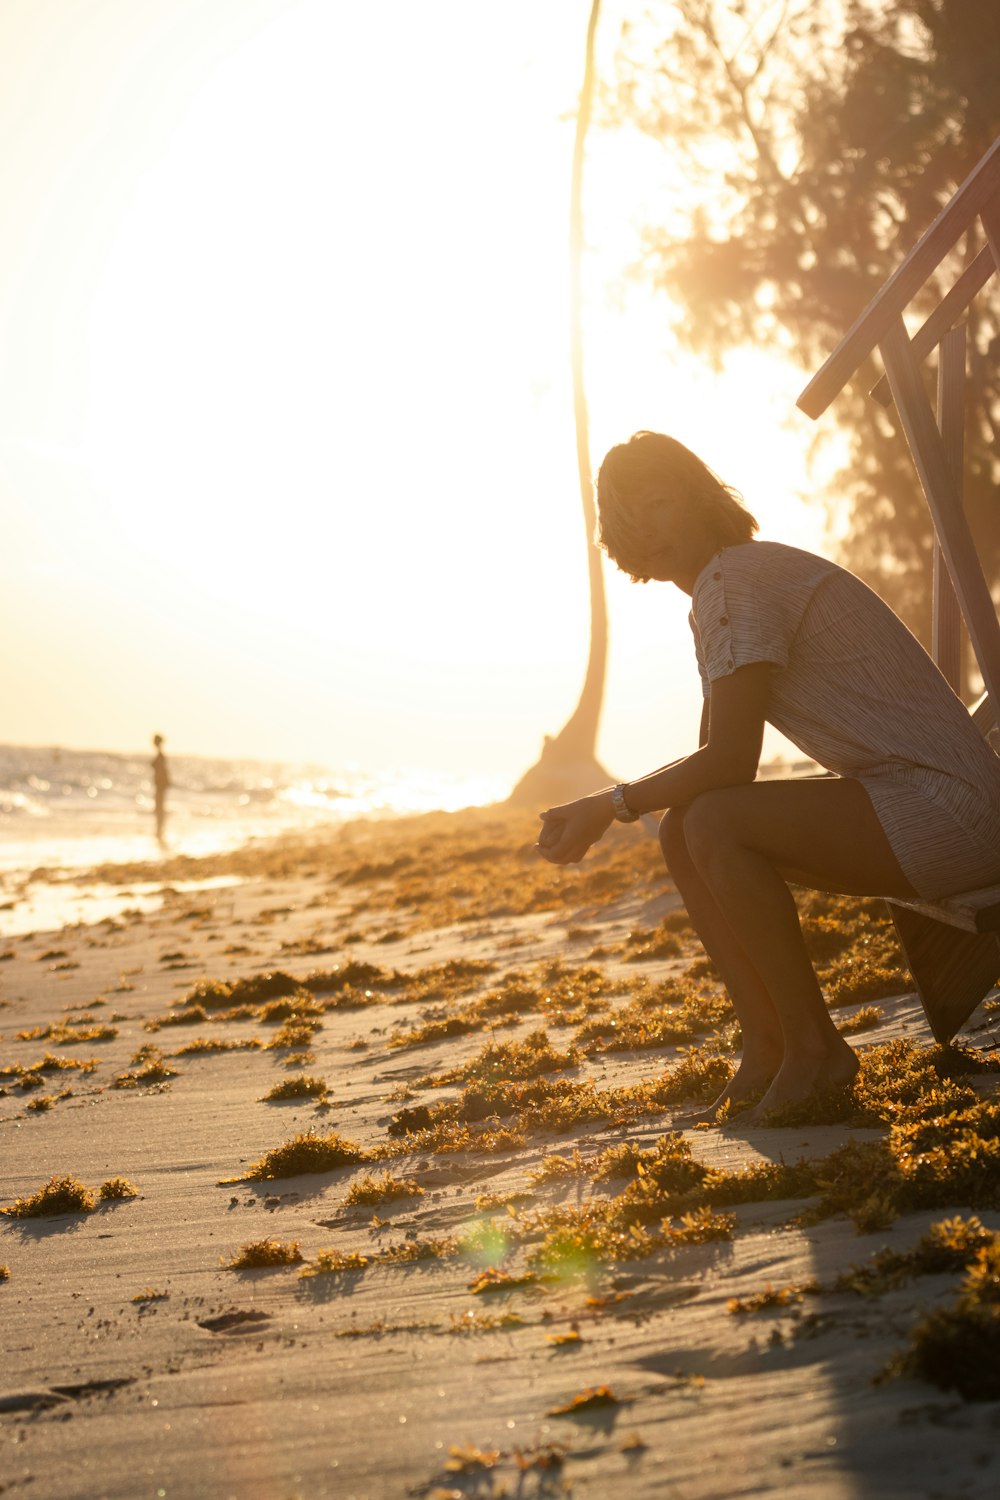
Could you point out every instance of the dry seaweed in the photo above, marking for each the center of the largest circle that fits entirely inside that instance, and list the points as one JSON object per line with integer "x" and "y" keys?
{"x": 117, "y": 1190}
{"x": 263, "y": 1255}
{"x": 303, "y": 1154}
{"x": 383, "y": 1188}
{"x": 62, "y": 1194}
{"x": 594, "y": 1398}
{"x": 334, "y": 1262}
{"x": 302, "y": 1087}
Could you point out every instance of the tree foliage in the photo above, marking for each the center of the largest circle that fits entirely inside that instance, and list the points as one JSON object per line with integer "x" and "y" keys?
{"x": 813, "y": 141}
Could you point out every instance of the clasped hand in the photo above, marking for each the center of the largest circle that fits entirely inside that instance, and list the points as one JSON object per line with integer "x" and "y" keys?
{"x": 568, "y": 831}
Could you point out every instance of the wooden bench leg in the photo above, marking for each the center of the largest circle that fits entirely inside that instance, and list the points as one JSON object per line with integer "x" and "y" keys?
{"x": 952, "y": 969}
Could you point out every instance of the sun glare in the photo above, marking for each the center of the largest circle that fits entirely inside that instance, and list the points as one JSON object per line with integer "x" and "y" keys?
{"x": 291, "y": 425}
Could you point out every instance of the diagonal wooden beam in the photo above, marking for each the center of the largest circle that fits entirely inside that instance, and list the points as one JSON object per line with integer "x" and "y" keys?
{"x": 944, "y": 500}
{"x": 981, "y": 185}
{"x": 946, "y": 614}
{"x": 989, "y": 217}
{"x": 948, "y": 311}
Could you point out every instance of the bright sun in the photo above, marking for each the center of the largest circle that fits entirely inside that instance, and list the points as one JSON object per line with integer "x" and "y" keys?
{"x": 303, "y": 459}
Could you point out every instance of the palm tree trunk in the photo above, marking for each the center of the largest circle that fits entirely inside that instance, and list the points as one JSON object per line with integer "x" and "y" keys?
{"x": 567, "y": 766}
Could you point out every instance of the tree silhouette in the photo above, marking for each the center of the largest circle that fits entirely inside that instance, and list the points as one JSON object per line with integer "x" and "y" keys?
{"x": 568, "y": 766}
{"x": 812, "y": 143}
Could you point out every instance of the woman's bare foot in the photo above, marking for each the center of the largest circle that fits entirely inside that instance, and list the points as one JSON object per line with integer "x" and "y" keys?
{"x": 751, "y": 1078}
{"x": 805, "y": 1074}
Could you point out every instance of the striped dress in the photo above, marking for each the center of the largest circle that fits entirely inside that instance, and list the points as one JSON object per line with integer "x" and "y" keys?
{"x": 856, "y": 692}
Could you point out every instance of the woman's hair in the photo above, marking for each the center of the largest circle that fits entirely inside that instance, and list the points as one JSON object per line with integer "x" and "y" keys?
{"x": 648, "y": 469}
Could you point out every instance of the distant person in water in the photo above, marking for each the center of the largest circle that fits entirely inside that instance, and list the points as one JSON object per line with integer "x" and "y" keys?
{"x": 787, "y": 638}
{"x": 161, "y": 780}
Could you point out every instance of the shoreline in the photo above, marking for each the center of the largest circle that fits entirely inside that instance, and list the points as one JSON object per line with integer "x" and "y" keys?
{"x": 414, "y": 951}
{"x": 37, "y": 895}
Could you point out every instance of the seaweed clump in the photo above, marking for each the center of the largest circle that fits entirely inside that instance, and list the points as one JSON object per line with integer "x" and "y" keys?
{"x": 559, "y": 993}
{"x": 530, "y": 1057}
{"x": 668, "y": 1015}
{"x": 539, "y": 1104}
{"x": 669, "y": 1185}
{"x": 52, "y": 1064}
{"x": 48, "y": 1101}
{"x": 334, "y": 1263}
{"x": 383, "y": 1188}
{"x": 261, "y": 1255}
{"x": 148, "y": 1068}
{"x": 302, "y": 1087}
{"x": 950, "y": 1245}
{"x": 117, "y": 1190}
{"x": 772, "y": 1297}
{"x": 64, "y": 1033}
{"x": 201, "y": 1046}
{"x": 592, "y": 1399}
{"x": 303, "y": 1154}
{"x": 62, "y": 1194}
{"x": 958, "y": 1347}
{"x": 218, "y": 994}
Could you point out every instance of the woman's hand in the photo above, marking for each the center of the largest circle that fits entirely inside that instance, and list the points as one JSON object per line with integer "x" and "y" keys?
{"x": 568, "y": 831}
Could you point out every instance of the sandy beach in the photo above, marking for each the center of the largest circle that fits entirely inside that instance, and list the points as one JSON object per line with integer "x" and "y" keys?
{"x": 506, "y": 1271}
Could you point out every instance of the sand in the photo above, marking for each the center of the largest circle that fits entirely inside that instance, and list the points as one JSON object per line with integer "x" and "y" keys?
{"x": 396, "y": 1379}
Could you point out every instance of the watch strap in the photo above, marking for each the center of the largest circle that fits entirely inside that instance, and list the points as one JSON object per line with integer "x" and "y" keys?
{"x": 623, "y": 813}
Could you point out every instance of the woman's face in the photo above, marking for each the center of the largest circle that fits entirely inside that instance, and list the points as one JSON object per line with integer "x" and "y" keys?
{"x": 679, "y": 543}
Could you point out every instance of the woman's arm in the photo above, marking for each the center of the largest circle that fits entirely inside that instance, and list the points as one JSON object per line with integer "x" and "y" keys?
{"x": 728, "y": 756}
{"x": 730, "y": 753}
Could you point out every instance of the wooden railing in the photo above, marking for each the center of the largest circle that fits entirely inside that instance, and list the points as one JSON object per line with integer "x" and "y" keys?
{"x": 952, "y": 947}
{"x": 935, "y": 441}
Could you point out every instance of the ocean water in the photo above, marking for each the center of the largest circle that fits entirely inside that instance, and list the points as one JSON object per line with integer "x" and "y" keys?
{"x": 80, "y": 808}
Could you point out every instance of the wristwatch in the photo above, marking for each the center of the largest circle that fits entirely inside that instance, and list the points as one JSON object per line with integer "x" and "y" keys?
{"x": 623, "y": 812}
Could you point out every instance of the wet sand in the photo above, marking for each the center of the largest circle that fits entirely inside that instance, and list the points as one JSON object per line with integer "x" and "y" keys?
{"x": 137, "y": 1362}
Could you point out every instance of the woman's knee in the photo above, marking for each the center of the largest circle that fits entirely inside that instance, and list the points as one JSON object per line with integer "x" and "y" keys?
{"x": 673, "y": 841}
{"x": 706, "y": 826}
{"x": 691, "y": 836}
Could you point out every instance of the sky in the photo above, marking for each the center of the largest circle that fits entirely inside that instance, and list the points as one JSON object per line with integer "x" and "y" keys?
{"x": 287, "y": 462}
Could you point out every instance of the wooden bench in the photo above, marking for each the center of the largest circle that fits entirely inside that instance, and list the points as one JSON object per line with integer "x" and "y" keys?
{"x": 952, "y": 946}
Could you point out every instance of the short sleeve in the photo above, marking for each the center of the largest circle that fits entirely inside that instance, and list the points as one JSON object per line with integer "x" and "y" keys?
{"x": 706, "y": 685}
{"x": 733, "y": 619}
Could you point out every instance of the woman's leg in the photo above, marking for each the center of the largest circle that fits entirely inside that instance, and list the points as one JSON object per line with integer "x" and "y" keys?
{"x": 745, "y": 842}
{"x": 763, "y": 1045}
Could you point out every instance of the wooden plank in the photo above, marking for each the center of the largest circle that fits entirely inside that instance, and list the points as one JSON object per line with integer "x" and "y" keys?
{"x": 946, "y": 619}
{"x": 989, "y": 217}
{"x": 951, "y": 307}
{"x": 982, "y": 183}
{"x": 984, "y": 716}
{"x": 952, "y": 970}
{"x": 952, "y": 529}
{"x": 973, "y": 911}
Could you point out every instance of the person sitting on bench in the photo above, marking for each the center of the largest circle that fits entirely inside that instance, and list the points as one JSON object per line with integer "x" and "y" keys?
{"x": 786, "y": 637}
